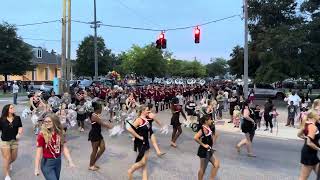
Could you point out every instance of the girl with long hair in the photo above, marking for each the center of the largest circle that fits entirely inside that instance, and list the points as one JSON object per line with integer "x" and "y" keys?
{"x": 248, "y": 128}
{"x": 310, "y": 133}
{"x": 140, "y": 131}
{"x": 50, "y": 145}
{"x": 205, "y": 137}
{"x": 176, "y": 110}
{"x": 95, "y": 136}
{"x": 11, "y": 128}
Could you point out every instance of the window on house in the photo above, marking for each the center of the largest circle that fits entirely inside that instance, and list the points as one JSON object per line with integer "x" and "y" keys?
{"x": 39, "y": 54}
{"x": 56, "y": 72}
{"x": 46, "y": 72}
{"x": 34, "y": 74}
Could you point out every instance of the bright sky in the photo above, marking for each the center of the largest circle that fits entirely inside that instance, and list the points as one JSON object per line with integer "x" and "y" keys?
{"x": 217, "y": 39}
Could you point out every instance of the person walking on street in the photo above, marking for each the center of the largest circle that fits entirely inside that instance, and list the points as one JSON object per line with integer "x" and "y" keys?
{"x": 248, "y": 127}
{"x": 310, "y": 133}
{"x": 11, "y": 128}
{"x": 51, "y": 144}
{"x": 15, "y": 90}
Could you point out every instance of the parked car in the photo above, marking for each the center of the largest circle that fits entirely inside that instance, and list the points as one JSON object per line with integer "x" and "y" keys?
{"x": 45, "y": 88}
{"x": 266, "y": 91}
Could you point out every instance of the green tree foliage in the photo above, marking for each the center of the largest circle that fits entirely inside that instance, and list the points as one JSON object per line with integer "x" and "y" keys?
{"x": 236, "y": 62}
{"x": 217, "y": 67}
{"x": 85, "y": 58}
{"x": 147, "y": 61}
{"x": 311, "y": 50}
{"x": 15, "y": 55}
{"x": 277, "y": 49}
{"x": 193, "y": 69}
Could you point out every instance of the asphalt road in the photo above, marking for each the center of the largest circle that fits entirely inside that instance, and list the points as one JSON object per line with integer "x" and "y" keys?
{"x": 276, "y": 159}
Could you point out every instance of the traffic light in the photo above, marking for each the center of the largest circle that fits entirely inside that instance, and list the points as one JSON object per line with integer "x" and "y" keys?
{"x": 197, "y": 35}
{"x": 158, "y": 44}
{"x": 161, "y": 41}
{"x": 164, "y": 43}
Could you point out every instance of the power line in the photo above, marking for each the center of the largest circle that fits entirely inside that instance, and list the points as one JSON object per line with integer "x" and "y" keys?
{"x": 38, "y": 23}
{"x": 165, "y": 29}
{"x": 203, "y": 24}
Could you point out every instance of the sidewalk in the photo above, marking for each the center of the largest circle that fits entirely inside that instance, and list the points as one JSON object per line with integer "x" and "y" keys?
{"x": 284, "y": 132}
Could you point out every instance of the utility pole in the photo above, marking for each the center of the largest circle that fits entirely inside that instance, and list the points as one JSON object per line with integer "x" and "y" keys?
{"x": 246, "y": 58}
{"x": 63, "y": 49}
{"x": 95, "y": 43}
{"x": 69, "y": 47}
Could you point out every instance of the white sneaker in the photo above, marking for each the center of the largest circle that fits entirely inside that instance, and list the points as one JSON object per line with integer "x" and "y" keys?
{"x": 81, "y": 130}
{"x": 7, "y": 178}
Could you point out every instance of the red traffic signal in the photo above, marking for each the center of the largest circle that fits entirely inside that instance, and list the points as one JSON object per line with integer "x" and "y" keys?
{"x": 197, "y": 35}
{"x": 161, "y": 41}
{"x": 161, "y": 35}
{"x": 158, "y": 44}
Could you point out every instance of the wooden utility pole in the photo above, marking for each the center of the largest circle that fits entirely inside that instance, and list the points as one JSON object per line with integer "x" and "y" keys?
{"x": 69, "y": 47}
{"x": 246, "y": 50}
{"x": 96, "y": 71}
{"x": 63, "y": 49}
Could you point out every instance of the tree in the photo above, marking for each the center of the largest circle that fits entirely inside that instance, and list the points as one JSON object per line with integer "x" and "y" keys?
{"x": 277, "y": 38}
{"x": 193, "y": 69}
{"x": 217, "y": 67}
{"x": 311, "y": 51}
{"x": 85, "y": 58}
{"x": 15, "y": 55}
{"x": 236, "y": 61}
{"x": 147, "y": 61}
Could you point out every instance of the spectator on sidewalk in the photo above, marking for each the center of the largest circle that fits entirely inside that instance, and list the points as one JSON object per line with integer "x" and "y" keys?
{"x": 302, "y": 116}
{"x": 251, "y": 96}
{"x": 292, "y": 112}
{"x": 257, "y": 116}
{"x": 305, "y": 102}
{"x": 4, "y": 87}
{"x": 268, "y": 114}
{"x": 309, "y": 86}
{"x": 9, "y": 86}
{"x": 15, "y": 91}
{"x": 295, "y": 98}
{"x": 274, "y": 115}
